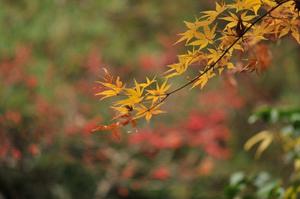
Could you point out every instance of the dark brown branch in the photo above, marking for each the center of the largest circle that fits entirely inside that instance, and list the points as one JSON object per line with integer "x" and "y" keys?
{"x": 212, "y": 66}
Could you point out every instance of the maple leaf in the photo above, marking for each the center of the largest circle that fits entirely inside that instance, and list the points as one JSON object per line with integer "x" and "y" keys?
{"x": 253, "y": 5}
{"x": 258, "y": 33}
{"x": 159, "y": 92}
{"x": 211, "y": 16}
{"x": 143, "y": 111}
{"x": 203, "y": 39}
{"x": 113, "y": 89}
{"x": 121, "y": 111}
{"x": 189, "y": 34}
{"x": 214, "y": 55}
{"x": 176, "y": 69}
{"x": 233, "y": 19}
{"x": 285, "y": 30}
{"x": 227, "y": 38}
{"x": 224, "y": 62}
{"x": 184, "y": 61}
{"x": 286, "y": 27}
{"x": 135, "y": 96}
{"x": 203, "y": 79}
{"x": 148, "y": 82}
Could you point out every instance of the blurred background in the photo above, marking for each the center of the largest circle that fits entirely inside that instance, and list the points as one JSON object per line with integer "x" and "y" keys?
{"x": 51, "y": 54}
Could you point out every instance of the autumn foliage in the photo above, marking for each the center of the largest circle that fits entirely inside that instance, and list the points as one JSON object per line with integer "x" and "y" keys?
{"x": 170, "y": 114}
{"x": 215, "y": 41}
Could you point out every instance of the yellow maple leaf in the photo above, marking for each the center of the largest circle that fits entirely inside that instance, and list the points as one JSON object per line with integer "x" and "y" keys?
{"x": 227, "y": 38}
{"x": 258, "y": 33}
{"x": 120, "y": 111}
{"x": 286, "y": 27}
{"x": 253, "y": 5}
{"x": 203, "y": 79}
{"x": 214, "y": 55}
{"x": 233, "y": 19}
{"x": 143, "y": 111}
{"x": 190, "y": 33}
{"x": 211, "y": 15}
{"x": 203, "y": 39}
{"x": 113, "y": 89}
{"x": 148, "y": 82}
{"x": 159, "y": 92}
{"x": 134, "y": 96}
{"x": 175, "y": 69}
{"x": 184, "y": 61}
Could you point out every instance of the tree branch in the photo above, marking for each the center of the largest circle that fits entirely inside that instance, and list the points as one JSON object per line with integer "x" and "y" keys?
{"x": 212, "y": 66}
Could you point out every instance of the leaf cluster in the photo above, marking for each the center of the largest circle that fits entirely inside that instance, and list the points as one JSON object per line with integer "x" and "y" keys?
{"x": 212, "y": 42}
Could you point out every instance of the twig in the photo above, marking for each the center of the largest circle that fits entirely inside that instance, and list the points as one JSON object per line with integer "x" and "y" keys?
{"x": 212, "y": 66}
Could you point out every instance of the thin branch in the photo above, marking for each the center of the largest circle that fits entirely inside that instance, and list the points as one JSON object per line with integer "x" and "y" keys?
{"x": 211, "y": 67}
